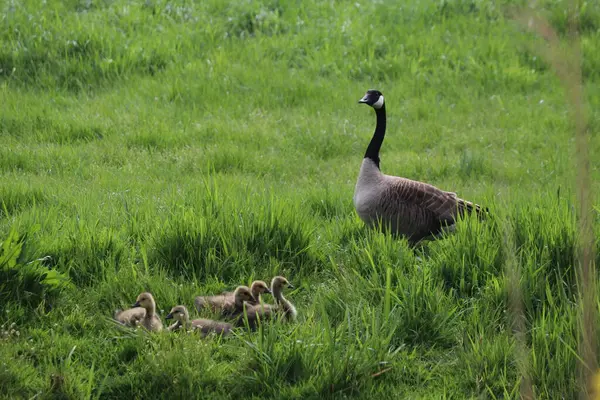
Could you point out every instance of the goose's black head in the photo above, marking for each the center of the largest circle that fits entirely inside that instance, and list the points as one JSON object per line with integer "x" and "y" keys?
{"x": 374, "y": 98}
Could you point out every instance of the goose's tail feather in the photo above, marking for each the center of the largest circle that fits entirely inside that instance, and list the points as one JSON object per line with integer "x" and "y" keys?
{"x": 469, "y": 207}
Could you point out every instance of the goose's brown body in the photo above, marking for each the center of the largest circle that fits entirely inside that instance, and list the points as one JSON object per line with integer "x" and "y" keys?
{"x": 415, "y": 210}
{"x": 409, "y": 208}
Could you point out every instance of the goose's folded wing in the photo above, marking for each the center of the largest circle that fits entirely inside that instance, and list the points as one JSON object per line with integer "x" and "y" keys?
{"x": 413, "y": 196}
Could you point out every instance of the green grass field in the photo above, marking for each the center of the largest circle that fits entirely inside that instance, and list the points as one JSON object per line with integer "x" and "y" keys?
{"x": 183, "y": 147}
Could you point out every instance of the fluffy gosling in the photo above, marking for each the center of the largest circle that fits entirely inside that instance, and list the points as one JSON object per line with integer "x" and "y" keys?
{"x": 204, "y": 326}
{"x": 226, "y": 304}
{"x": 142, "y": 313}
{"x": 257, "y": 288}
{"x": 263, "y": 312}
{"x": 285, "y": 306}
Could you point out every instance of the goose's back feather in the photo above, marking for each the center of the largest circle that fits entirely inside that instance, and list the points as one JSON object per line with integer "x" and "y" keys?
{"x": 415, "y": 209}
{"x": 214, "y": 302}
{"x": 223, "y": 303}
{"x": 206, "y": 326}
{"x": 131, "y": 317}
{"x": 416, "y": 195}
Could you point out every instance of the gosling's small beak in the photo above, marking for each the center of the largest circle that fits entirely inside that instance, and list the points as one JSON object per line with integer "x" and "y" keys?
{"x": 268, "y": 291}
{"x": 290, "y": 286}
{"x": 169, "y": 316}
{"x": 137, "y": 304}
{"x": 364, "y": 99}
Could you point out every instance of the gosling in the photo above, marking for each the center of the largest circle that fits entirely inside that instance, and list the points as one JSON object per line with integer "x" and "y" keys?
{"x": 284, "y": 305}
{"x": 226, "y": 304}
{"x": 264, "y": 312}
{"x": 204, "y": 326}
{"x": 257, "y": 288}
{"x": 142, "y": 313}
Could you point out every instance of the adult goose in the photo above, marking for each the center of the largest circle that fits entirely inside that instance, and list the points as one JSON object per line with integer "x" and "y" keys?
{"x": 415, "y": 210}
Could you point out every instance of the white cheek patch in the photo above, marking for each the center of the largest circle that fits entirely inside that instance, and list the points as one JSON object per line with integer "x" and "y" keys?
{"x": 379, "y": 103}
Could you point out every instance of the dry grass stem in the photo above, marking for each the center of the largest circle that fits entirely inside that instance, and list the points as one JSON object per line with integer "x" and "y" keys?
{"x": 566, "y": 59}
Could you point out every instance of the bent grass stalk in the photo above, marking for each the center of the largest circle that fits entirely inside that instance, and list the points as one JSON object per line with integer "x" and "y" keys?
{"x": 566, "y": 60}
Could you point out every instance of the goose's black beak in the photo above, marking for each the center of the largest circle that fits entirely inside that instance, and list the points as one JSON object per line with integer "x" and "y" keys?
{"x": 137, "y": 304}
{"x": 169, "y": 316}
{"x": 364, "y": 99}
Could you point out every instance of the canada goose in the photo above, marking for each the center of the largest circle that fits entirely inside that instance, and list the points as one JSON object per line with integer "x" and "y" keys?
{"x": 205, "y": 326}
{"x": 415, "y": 210}
{"x": 226, "y": 304}
{"x": 266, "y": 311}
{"x": 257, "y": 288}
{"x": 142, "y": 313}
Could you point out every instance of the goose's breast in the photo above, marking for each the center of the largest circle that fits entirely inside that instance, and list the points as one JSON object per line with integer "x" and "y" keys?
{"x": 367, "y": 202}
{"x": 370, "y": 187}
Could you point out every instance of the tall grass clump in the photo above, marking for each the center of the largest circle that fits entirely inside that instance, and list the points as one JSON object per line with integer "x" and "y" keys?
{"x": 487, "y": 365}
{"x": 543, "y": 241}
{"x": 278, "y": 359}
{"x": 479, "y": 257}
{"x": 554, "y": 338}
{"x": 25, "y": 284}
{"x": 565, "y": 57}
{"x": 45, "y": 49}
{"x": 411, "y": 299}
{"x": 19, "y": 196}
{"x": 373, "y": 253}
{"x": 88, "y": 255}
{"x": 220, "y": 237}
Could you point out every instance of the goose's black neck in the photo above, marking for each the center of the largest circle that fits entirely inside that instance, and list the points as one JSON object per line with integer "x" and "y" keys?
{"x": 377, "y": 139}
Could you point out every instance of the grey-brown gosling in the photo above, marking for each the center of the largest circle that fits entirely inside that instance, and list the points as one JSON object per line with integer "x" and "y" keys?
{"x": 204, "y": 326}
{"x": 228, "y": 305}
{"x": 277, "y": 285}
{"x": 142, "y": 313}
{"x": 265, "y": 312}
{"x": 257, "y": 288}
{"x": 415, "y": 210}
